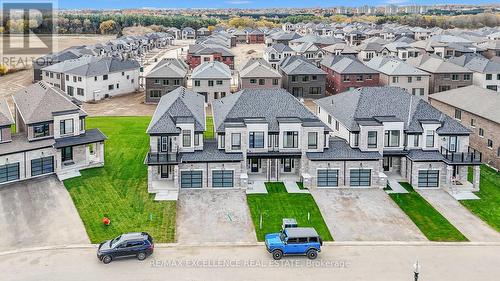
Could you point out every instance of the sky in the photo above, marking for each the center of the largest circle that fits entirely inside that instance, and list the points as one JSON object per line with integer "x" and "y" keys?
{"x": 122, "y": 4}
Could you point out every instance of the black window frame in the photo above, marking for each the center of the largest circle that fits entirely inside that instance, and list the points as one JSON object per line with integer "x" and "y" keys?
{"x": 368, "y": 143}
{"x": 327, "y": 177}
{"x": 45, "y": 132}
{"x": 233, "y": 145}
{"x": 313, "y": 145}
{"x": 8, "y": 172}
{"x": 39, "y": 166}
{"x": 222, "y": 178}
{"x": 252, "y": 137}
{"x": 388, "y": 135}
{"x": 425, "y": 174}
{"x": 295, "y": 139}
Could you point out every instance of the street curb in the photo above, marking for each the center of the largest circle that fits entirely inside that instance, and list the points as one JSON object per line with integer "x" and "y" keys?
{"x": 254, "y": 244}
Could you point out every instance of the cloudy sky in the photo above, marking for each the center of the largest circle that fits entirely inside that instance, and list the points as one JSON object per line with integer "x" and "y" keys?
{"x": 115, "y": 4}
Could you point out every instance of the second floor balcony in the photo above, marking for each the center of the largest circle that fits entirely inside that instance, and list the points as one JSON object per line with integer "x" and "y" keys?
{"x": 472, "y": 156}
{"x": 162, "y": 158}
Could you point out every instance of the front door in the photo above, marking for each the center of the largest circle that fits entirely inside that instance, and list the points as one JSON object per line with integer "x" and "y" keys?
{"x": 387, "y": 163}
{"x": 164, "y": 173}
{"x": 254, "y": 165}
{"x": 67, "y": 154}
{"x": 287, "y": 166}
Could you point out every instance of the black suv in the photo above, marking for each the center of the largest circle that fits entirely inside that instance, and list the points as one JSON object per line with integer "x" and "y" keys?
{"x": 138, "y": 244}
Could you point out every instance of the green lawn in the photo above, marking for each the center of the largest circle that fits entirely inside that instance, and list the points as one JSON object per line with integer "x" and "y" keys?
{"x": 278, "y": 204}
{"x": 209, "y": 133}
{"x": 488, "y": 207}
{"x": 432, "y": 224}
{"x": 119, "y": 189}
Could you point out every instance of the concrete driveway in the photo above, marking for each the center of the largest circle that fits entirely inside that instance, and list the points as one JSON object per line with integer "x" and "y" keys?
{"x": 364, "y": 215}
{"x": 213, "y": 216}
{"x": 38, "y": 212}
{"x": 471, "y": 226}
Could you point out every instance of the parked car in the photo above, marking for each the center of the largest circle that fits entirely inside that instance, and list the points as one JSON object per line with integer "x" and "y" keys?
{"x": 138, "y": 244}
{"x": 294, "y": 241}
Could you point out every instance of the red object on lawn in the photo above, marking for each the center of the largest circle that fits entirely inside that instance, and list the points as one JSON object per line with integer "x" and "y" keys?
{"x": 106, "y": 221}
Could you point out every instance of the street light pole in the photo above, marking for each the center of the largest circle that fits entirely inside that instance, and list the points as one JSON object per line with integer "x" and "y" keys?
{"x": 416, "y": 270}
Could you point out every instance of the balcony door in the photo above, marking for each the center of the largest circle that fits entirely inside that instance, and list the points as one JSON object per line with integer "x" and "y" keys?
{"x": 66, "y": 154}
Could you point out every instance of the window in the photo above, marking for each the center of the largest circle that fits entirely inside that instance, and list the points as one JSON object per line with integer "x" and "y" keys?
{"x": 40, "y": 166}
{"x": 489, "y": 76}
{"x": 123, "y": 73}
{"x": 166, "y": 82}
{"x": 356, "y": 139}
{"x": 458, "y": 114}
{"x": 410, "y": 79}
{"x": 419, "y": 78}
{"x": 82, "y": 124}
{"x": 359, "y": 78}
{"x": 492, "y": 87}
{"x": 312, "y": 140}
{"x": 466, "y": 77}
{"x": 329, "y": 119}
{"x": 256, "y": 140}
{"x": 177, "y": 82}
{"x": 163, "y": 144}
{"x": 417, "y": 91}
{"x": 74, "y": 79}
{"x": 314, "y": 77}
{"x": 345, "y": 78}
{"x": 443, "y": 88}
{"x": 210, "y": 83}
{"x": 253, "y": 81}
{"x": 369, "y": 77}
{"x": 294, "y": 78}
{"x": 315, "y": 90}
{"x": 66, "y": 126}
{"x": 235, "y": 141}
{"x": 79, "y": 91}
{"x": 196, "y": 139}
{"x": 67, "y": 154}
{"x": 415, "y": 140}
{"x": 186, "y": 138}
{"x": 473, "y": 122}
{"x": 305, "y": 78}
{"x": 155, "y": 93}
{"x": 392, "y": 138}
{"x": 490, "y": 143}
{"x": 117, "y": 85}
{"x": 219, "y": 82}
{"x": 9, "y": 172}
{"x": 428, "y": 178}
{"x": 291, "y": 139}
{"x": 111, "y": 87}
{"x": 222, "y": 178}
{"x": 327, "y": 178}
{"x": 197, "y": 83}
{"x": 95, "y": 78}
{"x": 360, "y": 177}
{"x": 498, "y": 76}
{"x": 429, "y": 138}
{"x": 452, "y": 146}
{"x": 275, "y": 81}
{"x": 41, "y": 130}
{"x": 262, "y": 81}
{"x": 481, "y": 132}
{"x": 372, "y": 139}
{"x": 191, "y": 179}
{"x": 395, "y": 79}
{"x": 222, "y": 141}
{"x": 454, "y": 77}
{"x": 337, "y": 125}
{"x": 70, "y": 91}
{"x": 105, "y": 77}
{"x": 67, "y": 77}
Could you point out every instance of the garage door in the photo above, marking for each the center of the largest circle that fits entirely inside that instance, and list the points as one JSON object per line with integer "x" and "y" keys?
{"x": 328, "y": 178}
{"x": 41, "y": 166}
{"x": 222, "y": 178}
{"x": 9, "y": 172}
{"x": 428, "y": 178}
{"x": 360, "y": 177}
{"x": 191, "y": 179}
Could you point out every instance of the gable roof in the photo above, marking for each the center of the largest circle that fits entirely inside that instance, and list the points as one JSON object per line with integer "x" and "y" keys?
{"x": 37, "y": 103}
{"x": 298, "y": 64}
{"x": 267, "y": 105}
{"x": 213, "y": 69}
{"x": 394, "y": 66}
{"x": 434, "y": 64}
{"x": 474, "y": 99}
{"x": 6, "y": 118}
{"x": 89, "y": 66}
{"x": 369, "y": 103}
{"x": 258, "y": 68}
{"x": 476, "y": 62}
{"x": 169, "y": 67}
{"x": 179, "y": 104}
{"x": 346, "y": 64}
{"x": 279, "y": 48}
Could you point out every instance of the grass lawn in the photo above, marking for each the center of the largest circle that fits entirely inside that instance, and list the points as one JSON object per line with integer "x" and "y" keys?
{"x": 279, "y": 204}
{"x": 119, "y": 189}
{"x": 300, "y": 185}
{"x": 488, "y": 207}
{"x": 432, "y": 224}
{"x": 209, "y": 133}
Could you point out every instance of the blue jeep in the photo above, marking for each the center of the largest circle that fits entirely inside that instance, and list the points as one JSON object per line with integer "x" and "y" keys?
{"x": 294, "y": 241}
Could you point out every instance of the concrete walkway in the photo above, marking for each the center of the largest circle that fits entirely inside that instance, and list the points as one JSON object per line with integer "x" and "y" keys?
{"x": 396, "y": 187}
{"x": 292, "y": 187}
{"x": 256, "y": 187}
{"x": 471, "y": 226}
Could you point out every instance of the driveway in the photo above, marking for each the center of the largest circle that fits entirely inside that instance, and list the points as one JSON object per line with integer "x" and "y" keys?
{"x": 364, "y": 215}
{"x": 38, "y": 212}
{"x": 471, "y": 226}
{"x": 213, "y": 216}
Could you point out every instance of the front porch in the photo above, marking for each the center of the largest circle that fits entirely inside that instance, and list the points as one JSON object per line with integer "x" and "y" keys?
{"x": 286, "y": 169}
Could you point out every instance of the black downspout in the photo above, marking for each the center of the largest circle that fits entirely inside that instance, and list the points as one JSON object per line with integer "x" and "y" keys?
{"x": 207, "y": 174}
{"x": 344, "y": 173}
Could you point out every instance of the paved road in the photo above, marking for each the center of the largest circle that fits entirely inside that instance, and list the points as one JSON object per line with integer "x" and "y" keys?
{"x": 471, "y": 226}
{"x": 254, "y": 263}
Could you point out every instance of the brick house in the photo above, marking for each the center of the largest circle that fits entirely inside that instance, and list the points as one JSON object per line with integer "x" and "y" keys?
{"x": 258, "y": 74}
{"x": 200, "y": 53}
{"x": 166, "y": 76}
{"x": 347, "y": 72}
{"x": 255, "y": 37}
{"x": 477, "y": 109}
{"x": 302, "y": 78}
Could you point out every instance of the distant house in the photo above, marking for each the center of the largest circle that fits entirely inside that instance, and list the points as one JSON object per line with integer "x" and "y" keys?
{"x": 51, "y": 59}
{"x": 258, "y": 74}
{"x": 309, "y": 51}
{"x": 368, "y": 51}
{"x": 50, "y": 136}
{"x": 401, "y": 50}
{"x": 255, "y": 37}
{"x": 302, "y": 78}
{"x": 282, "y": 37}
{"x": 395, "y": 72}
{"x": 491, "y": 49}
{"x": 275, "y": 53}
{"x": 91, "y": 78}
{"x": 166, "y": 76}
{"x": 188, "y": 33}
{"x": 486, "y": 72}
{"x": 212, "y": 79}
{"x": 346, "y": 73}
{"x": 241, "y": 36}
{"x": 200, "y": 53}
{"x": 444, "y": 75}
{"x": 202, "y": 32}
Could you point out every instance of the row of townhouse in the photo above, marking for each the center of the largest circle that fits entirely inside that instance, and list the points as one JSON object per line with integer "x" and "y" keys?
{"x": 201, "y": 53}
{"x": 46, "y": 134}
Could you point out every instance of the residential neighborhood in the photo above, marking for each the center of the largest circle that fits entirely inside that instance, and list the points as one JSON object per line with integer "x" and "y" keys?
{"x": 351, "y": 142}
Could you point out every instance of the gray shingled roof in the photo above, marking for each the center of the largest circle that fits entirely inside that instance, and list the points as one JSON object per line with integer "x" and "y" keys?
{"x": 347, "y": 64}
{"x": 476, "y": 63}
{"x": 297, "y": 64}
{"x": 179, "y": 103}
{"x": 6, "y": 118}
{"x": 434, "y": 64}
{"x": 371, "y": 102}
{"x": 90, "y": 136}
{"x": 268, "y": 104}
{"x": 90, "y": 66}
{"x": 258, "y": 68}
{"x": 39, "y": 101}
{"x": 339, "y": 149}
{"x": 394, "y": 66}
{"x": 169, "y": 68}
{"x": 279, "y": 48}
{"x": 210, "y": 153}
{"x": 211, "y": 70}
{"x": 425, "y": 155}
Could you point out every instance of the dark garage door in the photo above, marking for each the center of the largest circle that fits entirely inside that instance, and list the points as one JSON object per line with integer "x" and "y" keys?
{"x": 9, "y": 172}
{"x": 428, "y": 178}
{"x": 191, "y": 179}
{"x": 222, "y": 178}
{"x": 41, "y": 166}
{"x": 328, "y": 178}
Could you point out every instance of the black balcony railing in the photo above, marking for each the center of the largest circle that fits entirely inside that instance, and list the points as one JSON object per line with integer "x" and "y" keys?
{"x": 162, "y": 158}
{"x": 471, "y": 156}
